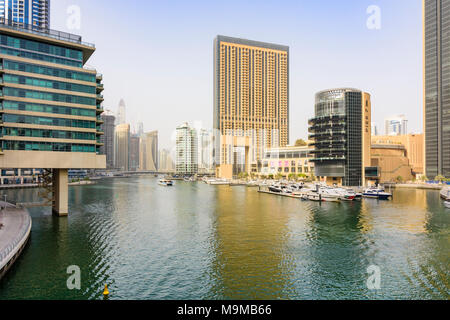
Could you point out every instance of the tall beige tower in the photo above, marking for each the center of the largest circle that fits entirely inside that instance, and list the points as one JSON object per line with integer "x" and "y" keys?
{"x": 122, "y": 147}
{"x": 251, "y": 99}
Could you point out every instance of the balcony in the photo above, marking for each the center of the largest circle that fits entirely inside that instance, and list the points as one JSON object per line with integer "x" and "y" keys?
{"x": 100, "y": 87}
{"x": 100, "y": 97}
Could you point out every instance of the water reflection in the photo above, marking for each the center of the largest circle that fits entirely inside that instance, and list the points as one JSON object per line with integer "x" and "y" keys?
{"x": 196, "y": 241}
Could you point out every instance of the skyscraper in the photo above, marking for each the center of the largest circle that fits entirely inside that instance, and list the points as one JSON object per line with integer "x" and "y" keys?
{"x": 121, "y": 113}
{"x": 396, "y": 125}
{"x": 122, "y": 147}
{"x": 148, "y": 152}
{"x": 107, "y": 140}
{"x": 251, "y": 97}
{"x": 437, "y": 87}
{"x": 134, "y": 152}
{"x": 165, "y": 161}
{"x": 205, "y": 151}
{"x": 375, "y": 129}
{"x": 186, "y": 150}
{"x": 140, "y": 128}
{"x": 26, "y": 13}
{"x": 341, "y": 134}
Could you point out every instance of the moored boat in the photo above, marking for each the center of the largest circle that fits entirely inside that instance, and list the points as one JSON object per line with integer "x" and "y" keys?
{"x": 376, "y": 193}
{"x": 165, "y": 182}
{"x": 447, "y": 204}
{"x": 445, "y": 193}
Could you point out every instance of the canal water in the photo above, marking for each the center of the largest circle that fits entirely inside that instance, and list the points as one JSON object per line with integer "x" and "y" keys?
{"x": 197, "y": 241}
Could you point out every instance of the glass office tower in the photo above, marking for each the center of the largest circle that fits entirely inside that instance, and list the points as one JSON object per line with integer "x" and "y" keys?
{"x": 50, "y": 105}
{"x": 437, "y": 87}
{"x": 34, "y": 13}
{"x": 341, "y": 132}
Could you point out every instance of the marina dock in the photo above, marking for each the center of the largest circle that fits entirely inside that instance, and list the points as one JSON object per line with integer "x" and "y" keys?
{"x": 15, "y": 229}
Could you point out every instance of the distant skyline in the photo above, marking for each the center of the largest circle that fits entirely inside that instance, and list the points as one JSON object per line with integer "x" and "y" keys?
{"x": 158, "y": 56}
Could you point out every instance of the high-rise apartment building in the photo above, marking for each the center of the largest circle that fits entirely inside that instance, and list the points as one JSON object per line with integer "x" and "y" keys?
{"x": 205, "y": 148}
{"x": 341, "y": 134}
{"x": 140, "y": 128}
{"x": 396, "y": 125}
{"x": 26, "y": 13}
{"x": 437, "y": 87}
{"x": 375, "y": 131}
{"x": 50, "y": 106}
{"x": 122, "y": 147}
{"x": 148, "y": 153}
{"x": 165, "y": 161}
{"x": 186, "y": 150}
{"x": 134, "y": 152}
{"x": 251, "y": 99}
{"x": 107, "y": 139}
{"x": 121, "y": 113}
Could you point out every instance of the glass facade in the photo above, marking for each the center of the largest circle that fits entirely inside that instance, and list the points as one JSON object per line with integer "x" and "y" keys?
{"x": 36, "y": 107}
{"x": 336, "y": 131}
{"x": 49, "y": 96}
{"x": 41, "y": 133}
{"x": 58, "y": 85}
{"x": 48, "y": 71}
{"x": 47, "y": 146}
{"x": 437, "y": 87}
{"x": 48, "y": 121}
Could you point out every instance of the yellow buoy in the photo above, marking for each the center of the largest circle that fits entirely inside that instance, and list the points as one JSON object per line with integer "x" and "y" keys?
{"x": 106, "y": 292}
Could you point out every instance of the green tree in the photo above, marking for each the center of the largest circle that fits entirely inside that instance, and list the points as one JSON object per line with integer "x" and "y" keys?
{"x": 279, "y": 176}
{"x": 270, "y": 176}
{"x": 399, "y": 179}
{"x": 439, "y": 178}
{"x": 301, "y": 143}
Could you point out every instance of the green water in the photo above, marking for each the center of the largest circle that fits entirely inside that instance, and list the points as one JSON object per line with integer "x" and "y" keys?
{"x": 196, "y": 241}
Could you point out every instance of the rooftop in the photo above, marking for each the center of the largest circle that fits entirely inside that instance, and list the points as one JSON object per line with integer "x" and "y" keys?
{"x": 44, "y": 32}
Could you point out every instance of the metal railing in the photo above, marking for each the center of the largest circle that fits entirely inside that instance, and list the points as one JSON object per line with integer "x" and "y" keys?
{"x": 14, "y": 244}
{"x": 37, "y": 30}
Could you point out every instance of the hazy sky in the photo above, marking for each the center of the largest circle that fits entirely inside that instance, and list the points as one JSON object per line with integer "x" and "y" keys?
{"x": 158, "y": 55}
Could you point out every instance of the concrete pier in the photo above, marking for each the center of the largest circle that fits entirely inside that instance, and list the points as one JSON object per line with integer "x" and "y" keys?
{"x": 15, "y": 229}
{"x": 60, "y": 192}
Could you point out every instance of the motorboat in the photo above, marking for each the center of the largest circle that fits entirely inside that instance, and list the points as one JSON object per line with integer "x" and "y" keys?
{"x": 377, "y": 193}
{"x": 275, "y": 188}
{"x": 346, "y": 194}
{"x": 445, "y": 193}
{"x": 165, "y": 182}
{"x": 321, "y": 196}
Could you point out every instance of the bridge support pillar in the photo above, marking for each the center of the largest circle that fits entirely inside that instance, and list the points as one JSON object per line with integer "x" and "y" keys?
{"x": 60, "y": 186}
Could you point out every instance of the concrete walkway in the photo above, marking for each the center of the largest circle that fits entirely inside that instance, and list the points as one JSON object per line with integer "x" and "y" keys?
{"x": 15, "y": 228}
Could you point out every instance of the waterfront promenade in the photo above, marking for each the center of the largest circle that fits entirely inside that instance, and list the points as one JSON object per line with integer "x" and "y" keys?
{"x": 15, "y": 228}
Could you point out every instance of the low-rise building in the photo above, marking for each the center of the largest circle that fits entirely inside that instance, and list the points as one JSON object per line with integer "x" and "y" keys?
{"x": 287, "y": 161}
{"x": 413, "y": 144}
{"x": 389, "y": 163}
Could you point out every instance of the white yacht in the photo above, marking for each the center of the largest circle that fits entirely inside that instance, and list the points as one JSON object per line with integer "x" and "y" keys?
{"x": 347, "y": 194}
{"x": 324, "y": 194}
{"x": 219, "y": 182}
{"x": 445, "y": 193}
{"x": 165, "y": 182}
